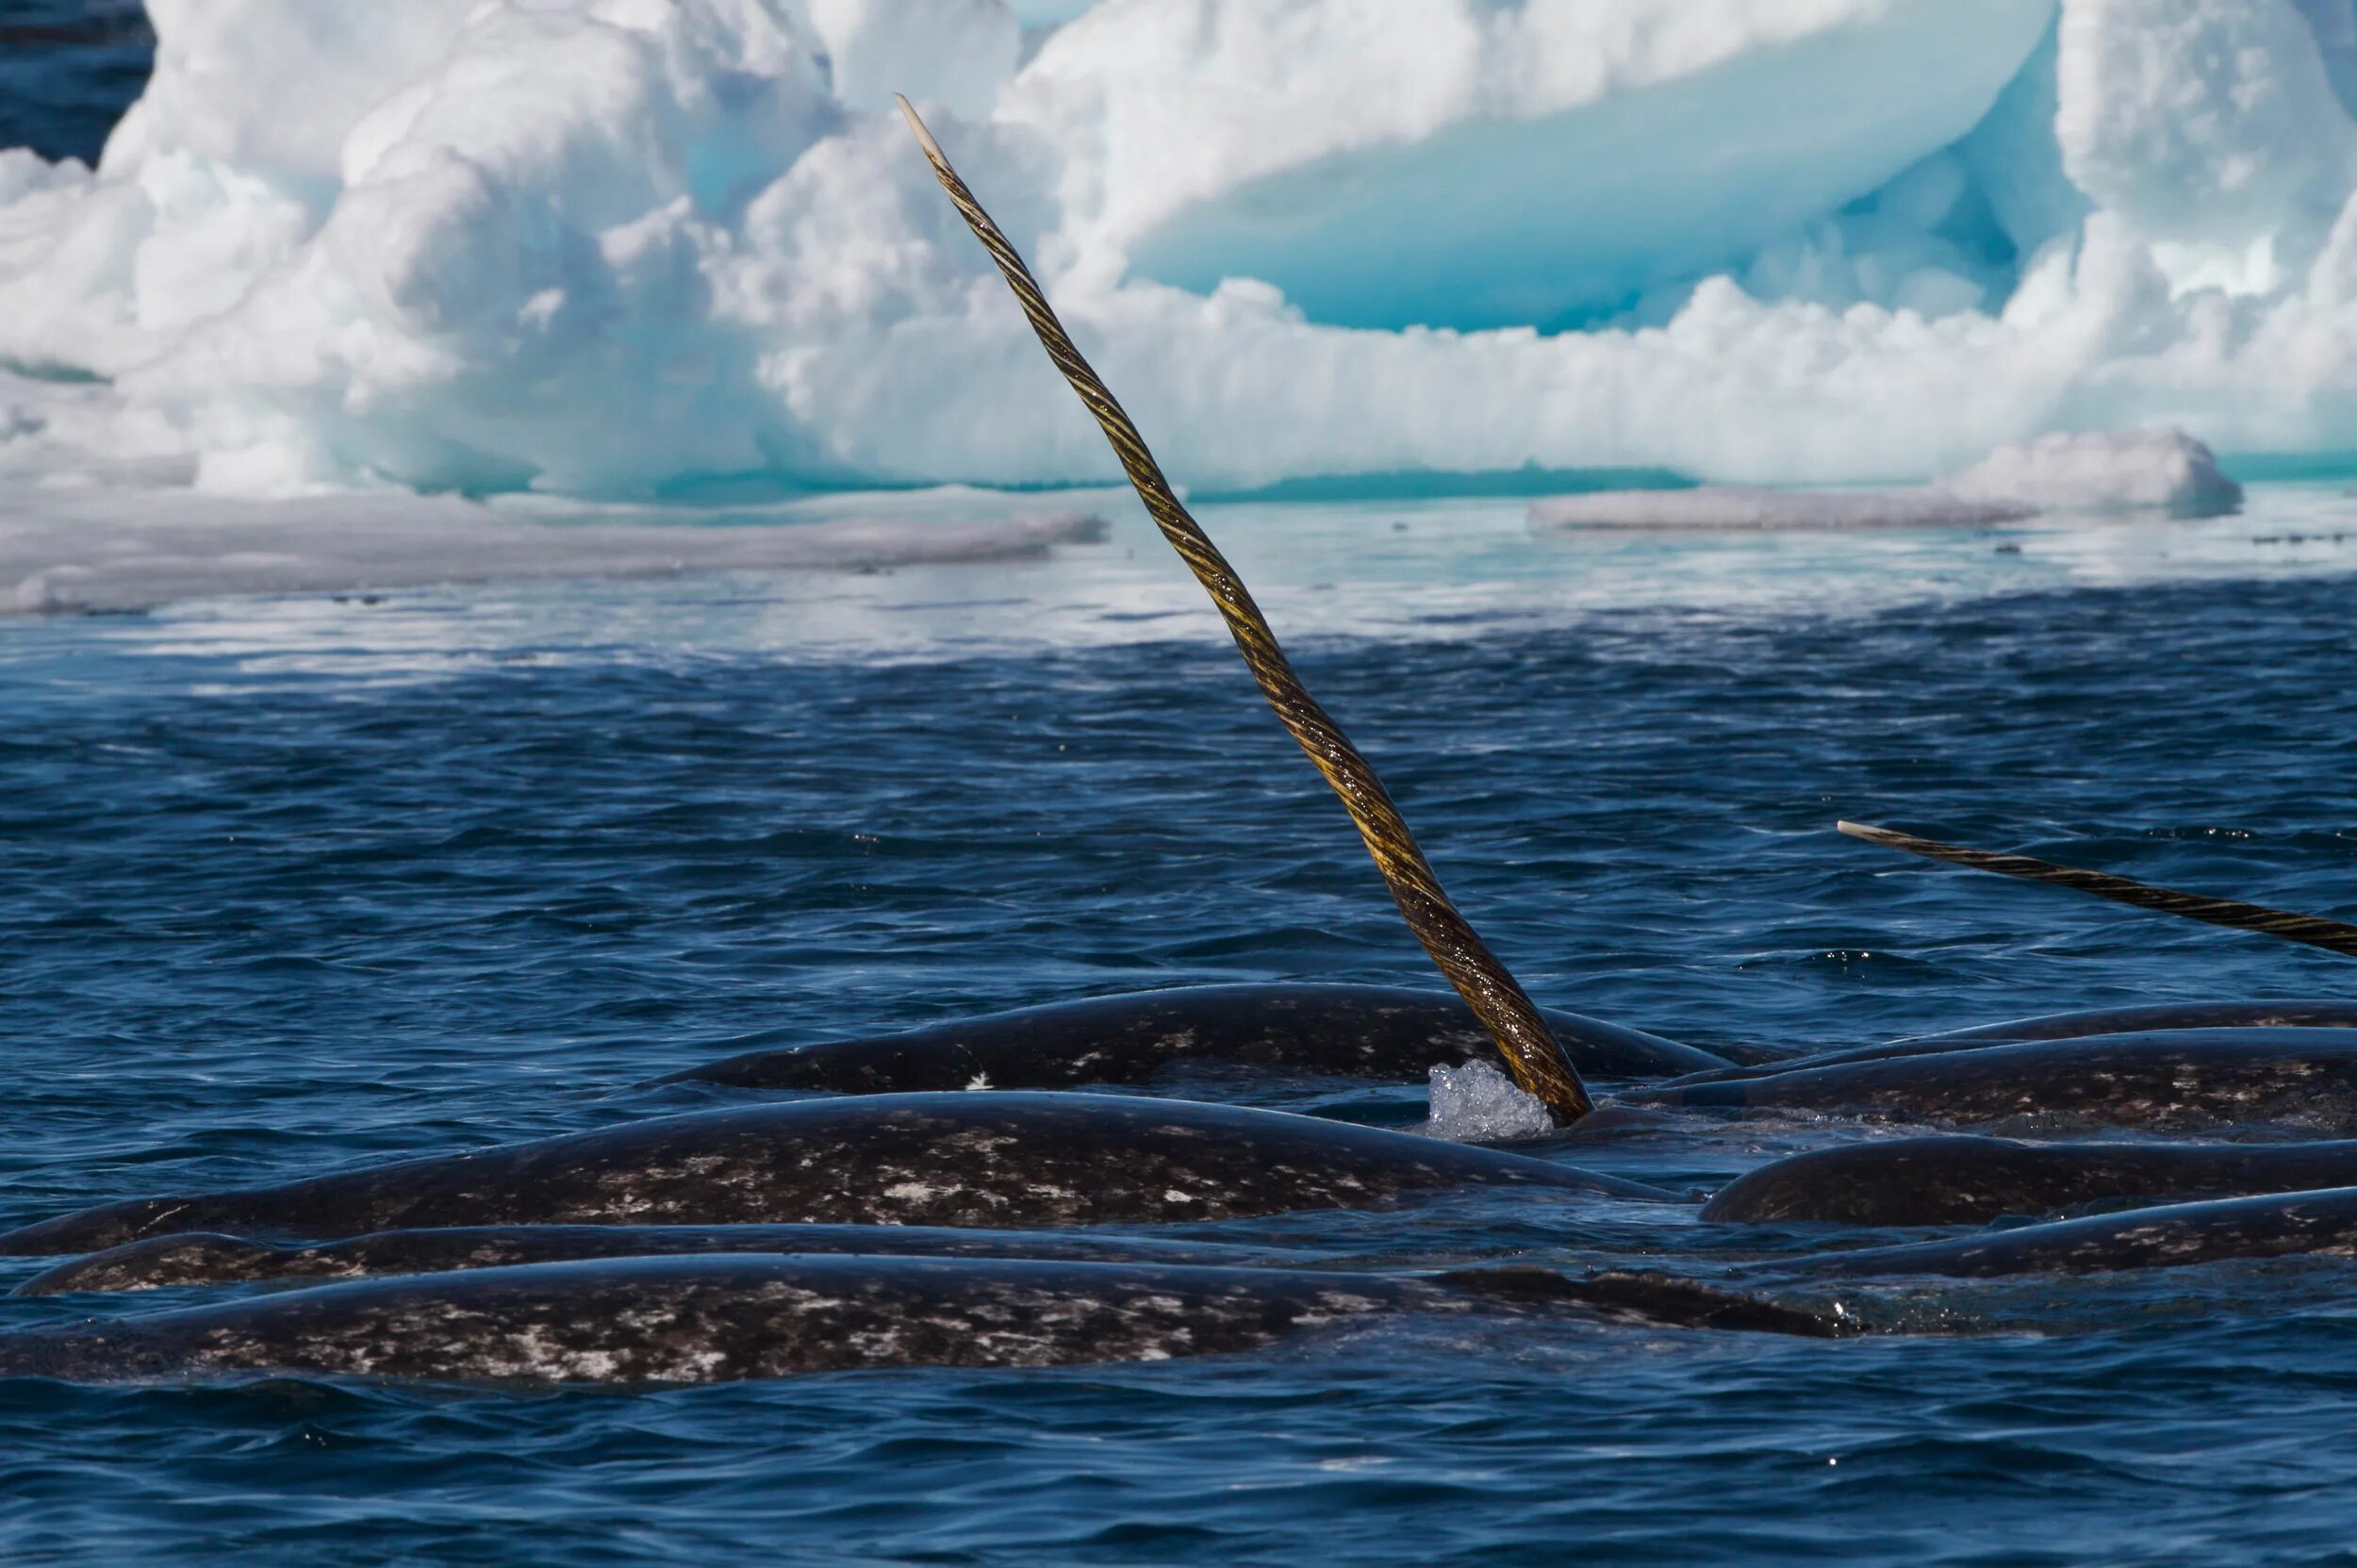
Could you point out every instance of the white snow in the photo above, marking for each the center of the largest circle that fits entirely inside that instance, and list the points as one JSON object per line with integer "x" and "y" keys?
{"x": 1478, "y": 1105}
{"x": 2165, "y": 473}
{"x": 618, "y": 248}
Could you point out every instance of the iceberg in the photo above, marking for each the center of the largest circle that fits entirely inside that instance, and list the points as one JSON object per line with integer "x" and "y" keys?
{"x": 631, "y": 249}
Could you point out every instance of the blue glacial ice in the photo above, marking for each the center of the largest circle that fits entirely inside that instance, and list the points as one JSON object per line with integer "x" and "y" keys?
{"x": 623, "y": 248}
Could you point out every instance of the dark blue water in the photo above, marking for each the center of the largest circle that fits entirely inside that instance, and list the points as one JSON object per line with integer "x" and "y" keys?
{"x": 269, "y": 912}
{"x": 68, "y": 70}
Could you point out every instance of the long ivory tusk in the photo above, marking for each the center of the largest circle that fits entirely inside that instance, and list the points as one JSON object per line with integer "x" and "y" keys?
{"x": 1531, "y": 1051}
{"x": 2313, "y": 930}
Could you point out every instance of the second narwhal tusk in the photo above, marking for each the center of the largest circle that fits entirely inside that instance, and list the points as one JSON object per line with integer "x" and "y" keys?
{"x": 2313, "y": 930}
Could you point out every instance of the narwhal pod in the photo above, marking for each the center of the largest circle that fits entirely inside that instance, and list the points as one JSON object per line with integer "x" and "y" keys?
{"x": 1347, "y": 1031}
{"x": 2161, "y": 1079}
{"x": 992, "y": 1160}
{"x": 705, "y": 1319}
{"x": 207, "y": 1258}
{"x": 2171, "y": 1235}
{"x": 1964, "y": 1181}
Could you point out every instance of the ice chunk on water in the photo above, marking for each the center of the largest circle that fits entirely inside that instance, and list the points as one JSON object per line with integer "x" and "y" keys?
{"x": 1737, "y": 506}
{"x": 107, "y": 549}
{"x": 2164, "y": 471}
{"x": 2158, "y": 470}
{"x": 1478, "y": 1105}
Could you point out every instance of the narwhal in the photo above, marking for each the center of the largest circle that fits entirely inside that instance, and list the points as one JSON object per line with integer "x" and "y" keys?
{"x": 1387, "y": 1033}
{"x": 1967, "y": 1179}
{"x": 2318, "y": 1224}
{"x": 1010, "y": 1160}
{"x": 704, "y": 1319}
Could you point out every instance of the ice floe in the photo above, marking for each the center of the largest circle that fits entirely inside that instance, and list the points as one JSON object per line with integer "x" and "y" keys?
{"x": 96, "y": 549}
{"x": 2162, "y": 472}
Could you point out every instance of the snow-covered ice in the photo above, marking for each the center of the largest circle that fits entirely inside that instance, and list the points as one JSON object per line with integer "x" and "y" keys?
{"x": 2161, "y": 473}
{"x": 103, "y": 549}
{"x": 622, "y": 247}
{"x": 2130, "y": 470}
{"x": 1740, "y": 506}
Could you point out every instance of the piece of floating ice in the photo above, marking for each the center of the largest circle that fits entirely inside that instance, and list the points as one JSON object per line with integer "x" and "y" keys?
{"x": 1738, "y": 507}
{"x": 2164, "y": 471}
{"x": 1478, "y": 1105}
{"x": 2125, "y": 470}
{"x": 110, "y": 550}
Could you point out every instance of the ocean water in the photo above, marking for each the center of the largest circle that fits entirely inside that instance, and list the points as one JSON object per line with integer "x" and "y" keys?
{"x": 306, "y": 883}
{"x": 68, "y": 69}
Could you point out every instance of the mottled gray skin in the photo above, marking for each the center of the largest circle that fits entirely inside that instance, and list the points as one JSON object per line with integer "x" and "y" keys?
{"x": 207, "y": 1258}
{"x": 993, "y": 1160}
{"x": 1974, "y": 1180}
{"x": 2279, "y": 1225}
{"x": 2286, "y": 1014}
{"x": 703, "y": 1319}
{"x": 1348, "y": 1031}
{"x": 2165, "y": 1078}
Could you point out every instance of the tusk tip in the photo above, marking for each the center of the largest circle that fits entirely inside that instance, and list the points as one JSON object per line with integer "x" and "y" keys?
{"x": 924, "y": 137}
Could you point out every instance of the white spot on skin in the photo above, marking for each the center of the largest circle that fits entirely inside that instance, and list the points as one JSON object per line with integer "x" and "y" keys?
{"x": 157, "y": 1220}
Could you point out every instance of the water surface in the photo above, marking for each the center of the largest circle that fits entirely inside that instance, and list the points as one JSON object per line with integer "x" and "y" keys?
{"x": 302, "y": 883}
